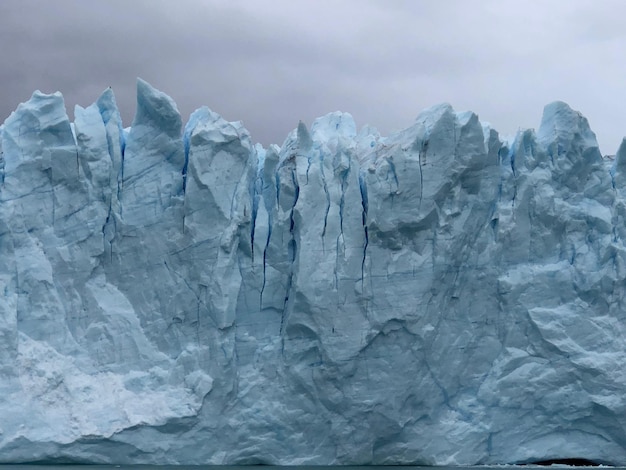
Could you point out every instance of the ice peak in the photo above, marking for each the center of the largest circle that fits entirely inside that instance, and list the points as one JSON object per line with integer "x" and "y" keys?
{"x": 156, "y": 109}
{"x": 333, "y": 125}
{"x": 440, "y": 113}
{"x": 304, "y": 138}
{"x": 619, "y": 165}
{"x": 562, "y": 127}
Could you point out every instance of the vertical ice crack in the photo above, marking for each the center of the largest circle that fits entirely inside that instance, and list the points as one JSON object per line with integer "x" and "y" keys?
{"x": 1, "y": 161}
{"x": 270, "y": 223}
{"x": 292, "y": 249}
{"x": 340, "y": 237}
{"x": 109, "y": 228}
{"x": 364, "y": 203}
{"x": 120, "y": 179}
{"x": 115, "y": 175}
{"x": 255, "y": 193}
{"x": 277, "y": 189}
{"x": 325, "y": 185}
{"x": 308, "y": 167}
{"x": 392, "y": 167}
{"x": 512, "y": 159}
{"x": 344, "y": 182}
{"x": 105, "y": 237}
{"x": 267, "y": 244}
{"x": 186, "y": 148}
{"x": 421, "y": 162}
{"x": 120, "y": 184}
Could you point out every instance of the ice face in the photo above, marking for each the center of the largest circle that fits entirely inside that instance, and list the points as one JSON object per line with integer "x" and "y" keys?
{"x": 176, "y": 294}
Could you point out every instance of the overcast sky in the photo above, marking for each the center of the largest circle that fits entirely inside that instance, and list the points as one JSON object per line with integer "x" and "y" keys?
{"x": 271, "y": 63}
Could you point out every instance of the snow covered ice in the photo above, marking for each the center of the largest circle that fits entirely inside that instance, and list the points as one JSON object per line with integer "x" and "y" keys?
{"x": 177, "y": 294}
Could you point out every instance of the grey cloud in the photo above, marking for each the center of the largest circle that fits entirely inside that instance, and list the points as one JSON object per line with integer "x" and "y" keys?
{"x": 271, "y": 63}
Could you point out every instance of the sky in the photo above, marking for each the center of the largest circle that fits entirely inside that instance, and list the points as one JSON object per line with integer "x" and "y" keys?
{"x": 272, "y": 63}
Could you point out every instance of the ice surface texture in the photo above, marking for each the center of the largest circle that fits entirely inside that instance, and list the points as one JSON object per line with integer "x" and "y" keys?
{"x": 177, "y": 294}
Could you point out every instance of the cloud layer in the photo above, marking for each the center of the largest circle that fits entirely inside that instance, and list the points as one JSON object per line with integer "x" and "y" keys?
{"x": 271, "y": 63}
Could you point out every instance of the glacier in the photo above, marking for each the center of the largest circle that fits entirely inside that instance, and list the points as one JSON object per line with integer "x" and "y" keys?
{"x": 175, "y": 293}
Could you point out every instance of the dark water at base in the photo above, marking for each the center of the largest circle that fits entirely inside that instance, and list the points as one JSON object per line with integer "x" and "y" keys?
{"x": 302, "y": 467}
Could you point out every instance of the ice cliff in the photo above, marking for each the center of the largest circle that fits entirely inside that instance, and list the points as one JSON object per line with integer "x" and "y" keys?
{"x": 176, "y": 294}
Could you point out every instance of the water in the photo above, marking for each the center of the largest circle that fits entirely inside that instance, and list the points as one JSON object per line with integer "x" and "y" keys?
{"x": 272, "y": 467}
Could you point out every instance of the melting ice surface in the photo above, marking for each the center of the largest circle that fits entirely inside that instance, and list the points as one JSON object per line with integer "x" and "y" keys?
{"x": 180, "y": 295}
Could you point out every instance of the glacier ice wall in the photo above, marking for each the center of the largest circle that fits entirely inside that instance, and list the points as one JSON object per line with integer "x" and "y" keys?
{"x": 176, "y": 294}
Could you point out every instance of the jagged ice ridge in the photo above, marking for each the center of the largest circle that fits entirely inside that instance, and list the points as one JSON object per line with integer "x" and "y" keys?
{"x": 178, "y": 294}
